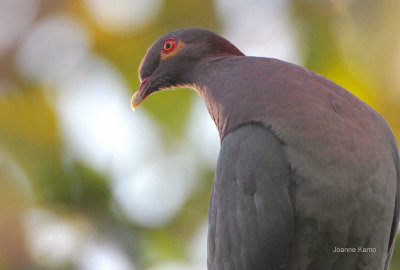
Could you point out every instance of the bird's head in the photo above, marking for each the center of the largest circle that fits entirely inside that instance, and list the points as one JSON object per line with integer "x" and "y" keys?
{"x": 168, "y": 61}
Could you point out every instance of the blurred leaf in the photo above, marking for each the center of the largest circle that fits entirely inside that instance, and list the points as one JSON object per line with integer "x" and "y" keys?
{"x": 395, "y": 264}
{"x": 87, "y": 190}
{"x": 171, "y": 109}
{"x": 28, "y": 131}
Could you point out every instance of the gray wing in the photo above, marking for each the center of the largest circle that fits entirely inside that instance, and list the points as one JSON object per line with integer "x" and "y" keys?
{"x": 251, "y": 219}
{"x": 395, "y": 224}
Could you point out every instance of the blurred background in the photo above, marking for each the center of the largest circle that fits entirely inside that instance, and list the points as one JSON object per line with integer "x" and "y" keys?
{"x": 88, "y": 184}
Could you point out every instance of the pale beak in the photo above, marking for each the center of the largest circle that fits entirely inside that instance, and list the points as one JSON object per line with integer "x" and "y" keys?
{"x": 140, "y": 94}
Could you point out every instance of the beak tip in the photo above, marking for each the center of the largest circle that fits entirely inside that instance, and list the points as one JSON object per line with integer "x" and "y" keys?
{"x": 135, "y": 102}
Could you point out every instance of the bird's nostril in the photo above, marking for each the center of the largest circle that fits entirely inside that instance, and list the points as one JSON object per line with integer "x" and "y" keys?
{"x": 143, "y": 84}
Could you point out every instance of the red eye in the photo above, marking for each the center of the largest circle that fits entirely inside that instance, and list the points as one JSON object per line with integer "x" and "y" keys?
{"x": 169, "y": 45}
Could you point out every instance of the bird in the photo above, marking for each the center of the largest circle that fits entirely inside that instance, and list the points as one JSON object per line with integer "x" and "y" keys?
{"x": 308, "y": 175}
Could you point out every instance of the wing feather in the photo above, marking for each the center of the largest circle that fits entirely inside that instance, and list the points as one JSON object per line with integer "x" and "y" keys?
{"x": 251, "y": 220}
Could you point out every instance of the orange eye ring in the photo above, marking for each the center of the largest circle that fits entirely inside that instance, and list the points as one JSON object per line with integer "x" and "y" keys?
{"x": 169, "y": 45}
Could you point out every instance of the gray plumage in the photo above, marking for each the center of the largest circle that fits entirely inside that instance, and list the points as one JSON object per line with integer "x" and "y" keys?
{"x": 305, "y": 168}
